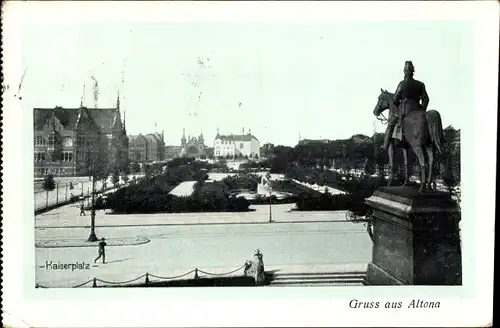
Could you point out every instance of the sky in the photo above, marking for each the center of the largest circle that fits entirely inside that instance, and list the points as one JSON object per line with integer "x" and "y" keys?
{"x": 282, "y": 80}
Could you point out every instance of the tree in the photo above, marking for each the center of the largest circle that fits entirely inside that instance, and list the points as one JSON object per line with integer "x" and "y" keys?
{"x": 49, "y": 184}
{"x": 266, "y": 150}
{"x": 137, "y": 156}
{"x": 97, "y": 160}
{"x": 115, "y": 178}
{"x": 125, "y": 177}
{"x": 135, "y": 167}
{"x": 451, "y": 158}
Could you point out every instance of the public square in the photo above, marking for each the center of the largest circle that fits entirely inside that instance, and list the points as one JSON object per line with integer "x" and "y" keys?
{"x": 214, "y": 242}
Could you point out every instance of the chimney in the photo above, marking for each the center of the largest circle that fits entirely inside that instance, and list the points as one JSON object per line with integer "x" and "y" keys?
{"x": 163, "y": 135}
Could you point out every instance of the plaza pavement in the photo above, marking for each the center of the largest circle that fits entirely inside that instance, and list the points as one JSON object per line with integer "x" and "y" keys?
{"x": 217, "y": 176}
{"x": 213, "y": 242}
{"x": 321, "y": 189}
{"x": 68, "y": 217}
{"x": 175, "y": 250}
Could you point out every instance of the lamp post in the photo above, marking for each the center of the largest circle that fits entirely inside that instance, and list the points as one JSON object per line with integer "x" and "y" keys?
{"x": 92, "y": 236}
{"x": 268, "y": 176}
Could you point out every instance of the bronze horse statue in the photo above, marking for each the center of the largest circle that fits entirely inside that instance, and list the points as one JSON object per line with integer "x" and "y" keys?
{"x": 421, "y": 130}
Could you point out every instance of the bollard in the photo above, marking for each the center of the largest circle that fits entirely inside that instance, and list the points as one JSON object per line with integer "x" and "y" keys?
{"x": 147, "y": 279}
{"x": 94, "y": 282}
{"x": 196, "y": 273}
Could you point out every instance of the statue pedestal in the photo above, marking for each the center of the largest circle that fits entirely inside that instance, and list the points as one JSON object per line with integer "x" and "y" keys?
{"x": 415, "y": 238}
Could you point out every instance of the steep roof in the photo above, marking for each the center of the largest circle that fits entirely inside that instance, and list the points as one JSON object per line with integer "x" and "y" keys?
{"x": 135, "y": 138}
{"x": 154, "y": 137}
{"x": 104, "y": 118}
{"x": 236, "y": 137}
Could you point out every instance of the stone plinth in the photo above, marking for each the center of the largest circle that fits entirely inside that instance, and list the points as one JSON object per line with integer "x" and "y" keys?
{"x": 415, "y": 238}
{"x": 255, "y": 269}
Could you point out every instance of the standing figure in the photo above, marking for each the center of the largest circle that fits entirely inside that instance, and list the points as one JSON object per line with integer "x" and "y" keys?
{"x": 82, "y": 210}
{"x": 407, "y": 98}
{"x": 102, "y": 252}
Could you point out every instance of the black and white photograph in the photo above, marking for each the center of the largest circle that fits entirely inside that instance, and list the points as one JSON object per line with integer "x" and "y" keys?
{"x": 325, "y": 155}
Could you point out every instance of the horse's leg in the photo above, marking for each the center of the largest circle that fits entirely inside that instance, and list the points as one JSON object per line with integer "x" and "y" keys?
{"x": 391, "y": 162}
{"x": 421, "y": 159}
{"x": 430, "y": 158}
{"x": 405, "y": 157}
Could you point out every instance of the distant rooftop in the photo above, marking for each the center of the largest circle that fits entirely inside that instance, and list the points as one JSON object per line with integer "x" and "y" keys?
{"x": 236, "y": 137}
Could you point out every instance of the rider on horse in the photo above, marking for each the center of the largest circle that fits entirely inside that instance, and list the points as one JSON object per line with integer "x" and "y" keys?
{"x": 408, "y": 94}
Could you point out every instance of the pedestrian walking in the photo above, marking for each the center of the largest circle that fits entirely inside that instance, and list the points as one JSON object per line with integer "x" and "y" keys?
{"x": 82, "y": 210}
{"x": 102, "y": 252}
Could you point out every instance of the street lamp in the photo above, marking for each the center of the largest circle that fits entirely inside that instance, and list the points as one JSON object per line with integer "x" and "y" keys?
{"x": 92, "y": 236}
{"x": 268, "y": 176}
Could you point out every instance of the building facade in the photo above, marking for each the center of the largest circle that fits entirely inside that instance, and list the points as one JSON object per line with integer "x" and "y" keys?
{"x": 138, "y": 148}
{"x": 147, "y": 148}
{"x": 68, "y": 141}
{"x": 192, "y": 146}
{"x": 236, "y": 145}
{"x": 156, "y": 147}
{"x": 172, "y": 151}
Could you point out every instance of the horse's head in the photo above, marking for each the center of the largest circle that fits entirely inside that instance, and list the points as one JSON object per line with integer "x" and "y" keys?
{"x": 383, "y": 102}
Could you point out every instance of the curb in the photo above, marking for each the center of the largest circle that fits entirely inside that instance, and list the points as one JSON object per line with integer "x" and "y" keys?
{"x": 194, "y": 224}
{"x": 65, "y": 243}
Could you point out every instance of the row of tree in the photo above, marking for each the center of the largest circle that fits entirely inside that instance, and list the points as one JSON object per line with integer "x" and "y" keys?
{"x": 357, "y": 152}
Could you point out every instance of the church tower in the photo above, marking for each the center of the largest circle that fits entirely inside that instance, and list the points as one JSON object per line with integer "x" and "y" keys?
{"x": 183, "y": 139}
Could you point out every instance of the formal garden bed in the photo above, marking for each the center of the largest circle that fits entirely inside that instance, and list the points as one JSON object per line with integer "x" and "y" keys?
{"x": 152, "y": 194}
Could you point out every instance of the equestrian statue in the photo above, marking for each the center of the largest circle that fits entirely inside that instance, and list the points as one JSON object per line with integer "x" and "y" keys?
{"x": 410, "y": 124}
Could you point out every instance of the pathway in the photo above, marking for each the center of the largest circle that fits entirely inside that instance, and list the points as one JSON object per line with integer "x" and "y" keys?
{"x": 185, "y": 188}
{"x": 68, "y": 217}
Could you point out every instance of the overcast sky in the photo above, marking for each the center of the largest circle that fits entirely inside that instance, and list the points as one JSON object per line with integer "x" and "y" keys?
{"x": 279, "y": 80}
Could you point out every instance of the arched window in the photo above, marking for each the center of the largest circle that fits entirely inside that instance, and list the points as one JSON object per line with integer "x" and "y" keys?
{"x": 67, "y": 142}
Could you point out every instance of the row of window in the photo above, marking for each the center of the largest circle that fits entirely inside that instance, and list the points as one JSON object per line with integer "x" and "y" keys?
{"x": 224, "y": 142}
{"x": 54, "y": 171}
{"x": 41, "y": 141}
{"x": 65, "y": 157}
{"x": 66, "y": 141}
{"x": 230, "y": 146}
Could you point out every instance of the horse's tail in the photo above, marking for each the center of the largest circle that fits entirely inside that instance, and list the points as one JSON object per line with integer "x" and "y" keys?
{"x": 435, "y": 129}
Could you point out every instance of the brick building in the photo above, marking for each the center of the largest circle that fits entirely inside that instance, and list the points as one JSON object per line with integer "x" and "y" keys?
{"x": 66, "y": 140}
{"x": 147, "y": 148}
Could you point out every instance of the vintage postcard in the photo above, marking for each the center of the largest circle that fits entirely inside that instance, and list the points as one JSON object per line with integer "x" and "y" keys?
{"x": 319, "y": 163}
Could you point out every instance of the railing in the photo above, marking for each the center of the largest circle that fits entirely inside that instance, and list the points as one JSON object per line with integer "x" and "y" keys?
{"x": 61, "y": 195}
{"x": 147, "y": 278}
